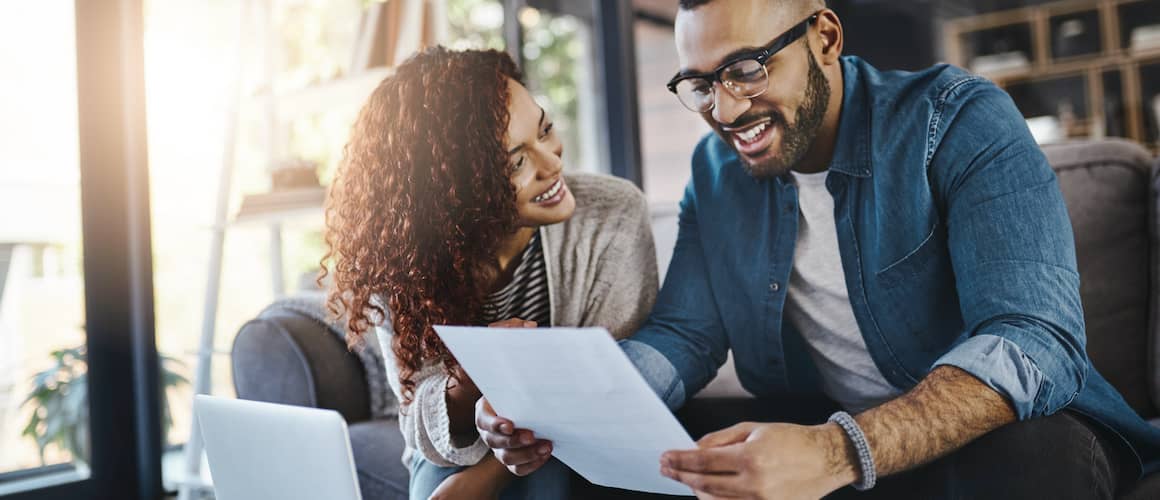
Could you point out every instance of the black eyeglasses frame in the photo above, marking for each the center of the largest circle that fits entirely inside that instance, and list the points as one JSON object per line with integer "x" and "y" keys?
{"x": 760, "y": 55}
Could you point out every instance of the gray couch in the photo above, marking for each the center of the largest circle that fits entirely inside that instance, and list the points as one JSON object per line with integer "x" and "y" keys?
{"x": 291, "y": 355}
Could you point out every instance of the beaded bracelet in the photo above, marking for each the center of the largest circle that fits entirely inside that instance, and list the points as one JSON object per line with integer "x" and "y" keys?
{"x": 865, "y": 460}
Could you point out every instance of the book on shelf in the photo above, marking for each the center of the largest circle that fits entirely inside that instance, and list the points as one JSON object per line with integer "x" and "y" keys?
{"x": 1146, "y": 38}
{"x": 1004, "y": 63}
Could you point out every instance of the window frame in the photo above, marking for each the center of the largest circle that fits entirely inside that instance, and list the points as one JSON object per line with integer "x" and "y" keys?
{"x": 124, "y": 390}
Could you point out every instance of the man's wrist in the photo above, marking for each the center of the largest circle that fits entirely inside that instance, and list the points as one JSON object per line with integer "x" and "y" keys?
{"x": 842, "y": 464}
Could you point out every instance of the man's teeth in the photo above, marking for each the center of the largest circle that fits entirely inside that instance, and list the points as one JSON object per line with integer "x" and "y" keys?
{"x": 752, "y": 133}
{"x": 546, "y": 195}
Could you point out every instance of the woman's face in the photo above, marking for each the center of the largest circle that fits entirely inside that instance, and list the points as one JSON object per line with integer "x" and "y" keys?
{"x": 534, "y": 150}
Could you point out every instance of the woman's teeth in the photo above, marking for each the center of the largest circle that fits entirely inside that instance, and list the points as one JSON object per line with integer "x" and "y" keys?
{"x": 750, "y": 134}
{"x": 547, "y": 195}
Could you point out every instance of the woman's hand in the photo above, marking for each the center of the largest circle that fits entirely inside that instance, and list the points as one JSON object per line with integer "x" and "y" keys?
{"x": 513, "y": 323}
{"x": 518, "y": 449}
{"x": 462, "y": 394}
{"x": 484, "y": 480}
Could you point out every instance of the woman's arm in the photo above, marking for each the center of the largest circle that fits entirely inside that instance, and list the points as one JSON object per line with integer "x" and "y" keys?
{"x": 461, "y": 397}
{"x": 426, "y": 423}
{"x": 626, "y": 273}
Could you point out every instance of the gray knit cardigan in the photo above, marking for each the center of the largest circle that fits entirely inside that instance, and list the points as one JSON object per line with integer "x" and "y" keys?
{"x": 602, "y": 271}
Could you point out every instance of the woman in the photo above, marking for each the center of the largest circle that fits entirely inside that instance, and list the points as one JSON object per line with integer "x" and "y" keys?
{"x": 451, "y": 207}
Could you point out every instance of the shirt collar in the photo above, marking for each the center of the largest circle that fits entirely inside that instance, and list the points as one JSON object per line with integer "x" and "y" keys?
{"x": 852, "y": 146}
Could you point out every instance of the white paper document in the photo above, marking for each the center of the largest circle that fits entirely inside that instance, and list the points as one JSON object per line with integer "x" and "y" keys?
{"x": 576, "y": 388}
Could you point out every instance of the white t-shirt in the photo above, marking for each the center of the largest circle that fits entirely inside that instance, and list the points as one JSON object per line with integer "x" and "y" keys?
{"x": 818, "y": 304}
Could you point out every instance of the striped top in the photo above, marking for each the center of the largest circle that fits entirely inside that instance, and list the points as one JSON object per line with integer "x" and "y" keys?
{"x": 526, "y": 296}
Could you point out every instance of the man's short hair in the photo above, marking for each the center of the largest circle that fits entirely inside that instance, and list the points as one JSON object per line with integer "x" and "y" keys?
{"x": 692, "y": 4}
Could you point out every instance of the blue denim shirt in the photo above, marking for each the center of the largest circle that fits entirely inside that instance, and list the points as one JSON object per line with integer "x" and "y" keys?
{"x": 955, "y": 244}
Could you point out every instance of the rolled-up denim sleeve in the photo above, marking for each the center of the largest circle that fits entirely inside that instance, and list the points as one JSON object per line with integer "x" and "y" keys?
{"x": 1013, "y": 254}
{"x": 1002, "y": 365}
{"x": 656, "y": 369}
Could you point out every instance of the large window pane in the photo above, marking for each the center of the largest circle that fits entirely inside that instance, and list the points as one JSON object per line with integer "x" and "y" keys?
{"x": 281, "y": 57}
{"x": 668, "y": 131}
{"x": 43, "y": 394}
{"x": 558, "y": 65}
{"x": 475, "y": 24}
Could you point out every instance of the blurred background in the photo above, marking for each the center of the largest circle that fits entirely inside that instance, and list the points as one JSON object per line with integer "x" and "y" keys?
{"x": 247, "y": 105}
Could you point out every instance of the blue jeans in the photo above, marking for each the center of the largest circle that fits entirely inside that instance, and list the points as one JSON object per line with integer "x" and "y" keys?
{"x": 550, "y": 481}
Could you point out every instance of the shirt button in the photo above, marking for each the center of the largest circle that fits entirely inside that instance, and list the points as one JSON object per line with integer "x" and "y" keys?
{"x": 775, "y": 286}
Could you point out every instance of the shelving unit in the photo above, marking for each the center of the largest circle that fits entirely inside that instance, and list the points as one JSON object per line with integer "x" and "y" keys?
{"x": 1094, "y": 65}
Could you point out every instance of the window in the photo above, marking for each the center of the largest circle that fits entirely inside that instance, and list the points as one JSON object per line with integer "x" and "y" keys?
{"x": 668, "y": 131}
{"x": 77, "y": 367}
{"x": 43, "y": 414}
{"x": 558, "y": 63}
{"x": 263, "y": 107}
{"x": 475, "y": 24}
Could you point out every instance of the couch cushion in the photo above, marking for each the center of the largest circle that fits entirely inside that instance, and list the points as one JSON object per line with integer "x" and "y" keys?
{"x": 377, "y": 447}
{"x": 1106, "y": 188}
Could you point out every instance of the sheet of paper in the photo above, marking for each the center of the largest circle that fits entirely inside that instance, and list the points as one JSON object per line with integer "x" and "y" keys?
{"x": 576, "y": 388}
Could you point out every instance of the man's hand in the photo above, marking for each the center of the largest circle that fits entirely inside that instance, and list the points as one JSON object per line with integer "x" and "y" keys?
{"x": 751, "y": 460}
{"x": 518, "y": 449}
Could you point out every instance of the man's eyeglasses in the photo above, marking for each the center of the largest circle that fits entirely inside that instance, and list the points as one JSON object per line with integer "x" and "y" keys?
{"x": 743, "y": 76}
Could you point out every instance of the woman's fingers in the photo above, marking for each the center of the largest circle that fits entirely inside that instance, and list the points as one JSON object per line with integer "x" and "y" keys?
{"x": 532, "y": 465}
{"x": 513, "y": 323}
{"x": 520, "y": 439}
{"x": 511, "y": 446}
{"x": 488, "y": 422}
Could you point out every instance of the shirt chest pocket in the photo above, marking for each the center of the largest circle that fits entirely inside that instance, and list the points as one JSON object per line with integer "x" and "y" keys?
{"x": 916, "y": 295}
{"x": 918, "y": 264}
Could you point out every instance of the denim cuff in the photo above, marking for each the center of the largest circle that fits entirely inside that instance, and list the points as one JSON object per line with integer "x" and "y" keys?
{"x": 1003, "y": 366}
{"x": 656, "y": 369}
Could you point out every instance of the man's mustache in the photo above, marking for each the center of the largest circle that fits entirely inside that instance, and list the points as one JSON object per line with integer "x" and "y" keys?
{"x": 742, "y": 121}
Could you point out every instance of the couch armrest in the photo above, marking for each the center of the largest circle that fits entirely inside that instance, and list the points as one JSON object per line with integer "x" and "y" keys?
{"x": 286, "y": 357}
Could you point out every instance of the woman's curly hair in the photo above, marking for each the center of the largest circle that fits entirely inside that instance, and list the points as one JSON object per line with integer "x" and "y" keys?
{"x": 421, "y": 202}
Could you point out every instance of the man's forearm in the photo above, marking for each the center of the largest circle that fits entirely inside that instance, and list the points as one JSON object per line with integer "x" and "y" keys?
{"x": 944, "y": 412}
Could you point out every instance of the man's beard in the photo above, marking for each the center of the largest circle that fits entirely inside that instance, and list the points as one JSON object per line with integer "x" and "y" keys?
{"x": 797, "y": 139}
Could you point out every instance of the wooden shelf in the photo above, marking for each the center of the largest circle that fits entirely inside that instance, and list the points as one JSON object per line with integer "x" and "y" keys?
{"x": 1096, "y": 47}
{"x": 281, "y": 205}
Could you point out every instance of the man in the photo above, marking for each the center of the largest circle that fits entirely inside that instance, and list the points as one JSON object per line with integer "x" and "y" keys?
{"x": 894, "y": 241}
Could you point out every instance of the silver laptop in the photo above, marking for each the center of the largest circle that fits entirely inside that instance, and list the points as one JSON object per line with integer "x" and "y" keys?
{"x": 260, "y": 451}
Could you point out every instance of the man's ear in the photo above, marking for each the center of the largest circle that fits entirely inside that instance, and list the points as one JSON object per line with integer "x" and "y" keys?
{"x": 830, "y": 37}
